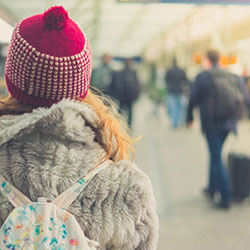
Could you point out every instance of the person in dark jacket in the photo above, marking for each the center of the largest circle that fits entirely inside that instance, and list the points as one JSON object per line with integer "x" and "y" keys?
{"x": 126, "y": 88}
{"x": 215, "y": 131}
{"x": 175, "y": 80}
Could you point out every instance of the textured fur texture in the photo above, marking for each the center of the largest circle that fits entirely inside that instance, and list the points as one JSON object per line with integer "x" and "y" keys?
{"x": 45, "y": 152}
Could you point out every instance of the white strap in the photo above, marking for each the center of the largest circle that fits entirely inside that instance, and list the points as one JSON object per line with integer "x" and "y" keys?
{"x": 15, "y": 197}
{"x": 65, "y": 199}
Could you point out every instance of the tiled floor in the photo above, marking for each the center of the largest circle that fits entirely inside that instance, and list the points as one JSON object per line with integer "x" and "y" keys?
{"x": 176, "y": 161}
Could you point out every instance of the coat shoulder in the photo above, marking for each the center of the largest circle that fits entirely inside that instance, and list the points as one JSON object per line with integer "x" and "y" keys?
{"x": 128, "y": 209}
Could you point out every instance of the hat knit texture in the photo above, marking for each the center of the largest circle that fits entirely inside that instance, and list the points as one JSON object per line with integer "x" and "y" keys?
{"x": 49, "y": 59}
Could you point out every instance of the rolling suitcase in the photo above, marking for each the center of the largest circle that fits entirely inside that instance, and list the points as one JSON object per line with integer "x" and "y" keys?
{"x": 239, "y": 169}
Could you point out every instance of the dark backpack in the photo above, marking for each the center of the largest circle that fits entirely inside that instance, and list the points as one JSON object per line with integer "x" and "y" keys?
{"x": 126, "y": 86}
{"x": 225, "y": 98}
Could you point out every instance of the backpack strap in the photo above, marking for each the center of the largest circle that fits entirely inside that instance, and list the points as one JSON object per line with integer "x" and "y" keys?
{"x": 15, "y": 197}
{"x": 65, "y": 199}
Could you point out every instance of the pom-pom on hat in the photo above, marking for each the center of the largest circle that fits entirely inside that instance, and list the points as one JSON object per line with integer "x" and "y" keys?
{"x": 49, "y": 59}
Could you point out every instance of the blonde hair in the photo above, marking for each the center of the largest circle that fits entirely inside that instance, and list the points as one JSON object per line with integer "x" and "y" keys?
{"x": 112, "y": 132}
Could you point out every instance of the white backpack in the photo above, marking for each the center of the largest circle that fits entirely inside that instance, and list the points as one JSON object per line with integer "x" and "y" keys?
{"x": 44, "y": 225}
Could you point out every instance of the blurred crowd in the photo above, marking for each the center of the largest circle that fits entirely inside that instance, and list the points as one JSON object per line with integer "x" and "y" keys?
{"x": 168, "y": 86}
{"x": 222, "y": 96}
{"x": 122, "y": 85}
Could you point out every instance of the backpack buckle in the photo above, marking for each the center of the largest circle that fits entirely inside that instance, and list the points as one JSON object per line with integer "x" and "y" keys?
{"x": 42, "y": 200}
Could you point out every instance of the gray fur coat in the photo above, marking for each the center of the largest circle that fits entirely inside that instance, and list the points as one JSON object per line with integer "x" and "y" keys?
{"x": 46, "y": 151}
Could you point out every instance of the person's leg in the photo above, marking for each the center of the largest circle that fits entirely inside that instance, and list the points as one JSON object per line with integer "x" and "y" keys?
{"x": 212, "y": 186}
{"x": 183, "y": 111}
{"x": 120, "y": 107}
{"x": 224, "y": 183}
{"x": 219, "y": 177}
{"x": 212, "y": 182}
{"x": 168, "y": 102}
{"x": 173, "y": 109}
{"x": 130, "y": 114}
{"x": 177, "y": 110}
{"x": 123, "y": 110}
{"x": 157, "y": 104}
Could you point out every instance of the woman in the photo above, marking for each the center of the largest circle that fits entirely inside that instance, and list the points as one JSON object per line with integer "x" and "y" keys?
{"x": 54, "y": 130}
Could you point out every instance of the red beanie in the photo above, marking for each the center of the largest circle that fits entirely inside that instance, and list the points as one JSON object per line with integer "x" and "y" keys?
{"x": 49, "y": 59}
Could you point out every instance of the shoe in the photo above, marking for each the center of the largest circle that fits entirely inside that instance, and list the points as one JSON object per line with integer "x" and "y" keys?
{"x": 208, "y": 193}
{"x": 223, "y": 205}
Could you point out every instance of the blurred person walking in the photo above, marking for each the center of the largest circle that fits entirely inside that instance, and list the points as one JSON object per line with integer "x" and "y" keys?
{"x": 102, "y": 76}
{"x": 175, "y": 79}
{"x": 126, "y": 89}
{"x": 55, "y": 131}
{"x": 156, "y": 88}
{"x": 219, "y": 95}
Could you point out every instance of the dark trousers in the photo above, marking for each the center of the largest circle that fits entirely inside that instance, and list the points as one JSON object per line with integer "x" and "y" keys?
{"x": 218, "y": 173}
{"x": 126, "y": 108}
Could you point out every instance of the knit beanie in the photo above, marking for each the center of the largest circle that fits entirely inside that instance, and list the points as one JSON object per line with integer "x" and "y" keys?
{"x": 49, "y": 59}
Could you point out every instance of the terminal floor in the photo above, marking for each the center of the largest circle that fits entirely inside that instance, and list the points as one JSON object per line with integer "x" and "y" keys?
{"x": 177, "y": 163}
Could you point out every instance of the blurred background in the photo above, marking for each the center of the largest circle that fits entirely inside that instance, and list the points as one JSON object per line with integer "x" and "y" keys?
{"x": 151, "y": 34}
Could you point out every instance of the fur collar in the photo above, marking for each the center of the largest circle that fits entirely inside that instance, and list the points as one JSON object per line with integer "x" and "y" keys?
{"x": 68, "y": 120}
